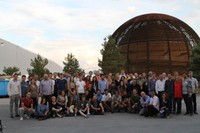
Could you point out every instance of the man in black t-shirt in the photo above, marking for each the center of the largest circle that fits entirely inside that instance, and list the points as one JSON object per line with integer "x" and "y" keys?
{"x": 96, "y": 106}
{"x": 83, "y": 107}
{"x": 61, "y": 84}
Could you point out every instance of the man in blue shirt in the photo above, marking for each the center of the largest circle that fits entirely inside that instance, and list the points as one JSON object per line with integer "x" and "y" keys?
{"x": 144, "y": 101}
{"x": 99, "y": 95}
{"x": 102, "y": 84}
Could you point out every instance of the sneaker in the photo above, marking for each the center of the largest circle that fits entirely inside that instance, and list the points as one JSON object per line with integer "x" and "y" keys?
{"x": 60, "y": 116}
{"x": 162, "y": 111}
{"x": 21, "y": 119}
{"x": 195, "y": 113}
{"x": 26, "y": 116}
{"x": 16, "y": 115}
{"x": 12, "y": 116}
{"x": 86, "y": 116}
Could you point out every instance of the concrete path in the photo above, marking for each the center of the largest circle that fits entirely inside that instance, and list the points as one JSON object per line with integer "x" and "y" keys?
{"x": 108, "y": 123}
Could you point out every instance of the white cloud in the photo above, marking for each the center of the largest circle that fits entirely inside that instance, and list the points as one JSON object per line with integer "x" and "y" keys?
{"x": 58, "y": 29}
{"x": 32, "y": 32}
{"x": 86, "y": 52}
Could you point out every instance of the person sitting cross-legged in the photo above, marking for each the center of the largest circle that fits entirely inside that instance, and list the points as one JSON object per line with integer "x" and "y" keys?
{"x": 99, "y": 96}
{"x": 72, "y": 104}
{"x": 55, "y": 108}
{"x": 153, "y": 106}
{"x": 26, "y": 108}
{"x": 61, "y": 100}
{"x": 42, "y": 112}
{"x": 144, "y": 101}
{"x": 117, "y": 102}
{"x": 125, "y": 101}
{"x": 107, "y": 100}
{"x": 96, "y": 106}
{"x": 134, "y": 102}
{"x": 164, "y": 106}
{"x": 83, "y": 107}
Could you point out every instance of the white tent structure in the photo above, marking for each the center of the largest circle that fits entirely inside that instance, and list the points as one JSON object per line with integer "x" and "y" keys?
{"x": 13, "y": 55}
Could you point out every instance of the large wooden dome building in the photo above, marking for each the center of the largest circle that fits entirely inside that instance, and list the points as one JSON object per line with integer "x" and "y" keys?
{"x": 156, "y": 42}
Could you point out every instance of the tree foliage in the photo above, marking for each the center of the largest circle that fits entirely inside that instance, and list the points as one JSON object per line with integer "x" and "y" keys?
{"x": 195, "y": 61}
{"x": 112, "y": 60}
{"x": 10, "y": 70}
{"x": 38, "y": 64}
{"x": 71, "y": 64}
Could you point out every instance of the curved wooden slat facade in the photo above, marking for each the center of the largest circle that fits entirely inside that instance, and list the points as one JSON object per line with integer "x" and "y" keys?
{"x": 156, "y": 42}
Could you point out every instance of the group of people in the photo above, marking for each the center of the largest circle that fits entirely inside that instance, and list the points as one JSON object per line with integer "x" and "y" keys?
{"x": 65, "y": 95}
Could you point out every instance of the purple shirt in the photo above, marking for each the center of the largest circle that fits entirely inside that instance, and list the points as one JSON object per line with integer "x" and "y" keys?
{"x": 46, "y": 87}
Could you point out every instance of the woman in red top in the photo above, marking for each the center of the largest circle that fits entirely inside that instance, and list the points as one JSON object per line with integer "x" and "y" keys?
{"x": 177, "y": 93}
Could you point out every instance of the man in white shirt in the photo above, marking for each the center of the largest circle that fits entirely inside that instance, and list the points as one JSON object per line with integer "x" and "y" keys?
{"x": 164, "y": 76}
{"x": 194, "y": 84}
{"x": 14, "y": 92}
{"x": 107, "y": 100}
{"x": 153, "y": 107}
{"x": 122, "y": 74}
{"x": 76, "y": 78}
{"x": 36, "y": 80}
{"x": 80, "y": 87}
{"x": 160, "y": 86}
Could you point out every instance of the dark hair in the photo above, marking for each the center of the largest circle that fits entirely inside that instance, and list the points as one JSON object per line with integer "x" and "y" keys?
{"x": 164, "y": 93}
{"x": 23, "y": 76}
{"x": 185, "y": 73}
{"x": 30, "y": 76}
{"x": 102, "y": 74}
{"x": 152, "y": 91}
{"x": 15, "y": 74}
{"x": 42, "y": 100}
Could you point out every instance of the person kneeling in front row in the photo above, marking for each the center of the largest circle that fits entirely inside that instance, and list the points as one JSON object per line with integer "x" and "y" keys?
{"x": 42, "y": 112}
{"x": 164, "y": 106}
{"x": 96, "y": 106}
{"x": 55, "y": 108}
{"x": 83, "y": 107}
{"x": 153, "y": 106}
{"x": 26, "y": 108}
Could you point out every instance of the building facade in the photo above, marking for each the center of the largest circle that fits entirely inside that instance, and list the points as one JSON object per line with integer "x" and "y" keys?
{"x": 156, "y": 42}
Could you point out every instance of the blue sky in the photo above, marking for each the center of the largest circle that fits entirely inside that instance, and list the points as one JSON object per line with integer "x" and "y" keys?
{"x": 54, "y": 28}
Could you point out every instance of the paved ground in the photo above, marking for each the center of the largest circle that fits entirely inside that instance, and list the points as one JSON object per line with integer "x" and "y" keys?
{"x": 109, "y": 123}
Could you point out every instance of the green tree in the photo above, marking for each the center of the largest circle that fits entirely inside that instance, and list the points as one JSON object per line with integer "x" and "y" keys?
{"x": 112, "y": 60}
{"x": 10, "y": 70}
{"x": 71, "y": 64}
{"x": 195, "y": 61}
{"x": 38, "y": 64}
